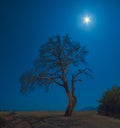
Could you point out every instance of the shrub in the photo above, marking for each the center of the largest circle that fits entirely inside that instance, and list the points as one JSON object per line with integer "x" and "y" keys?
{"x": 109, "y": 104}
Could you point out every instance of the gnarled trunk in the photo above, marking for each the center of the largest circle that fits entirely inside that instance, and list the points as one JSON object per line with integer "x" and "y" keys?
{"x": 71, "y": 97}
{"x": 69, "y": 109}
{"x": 71, "y": 103}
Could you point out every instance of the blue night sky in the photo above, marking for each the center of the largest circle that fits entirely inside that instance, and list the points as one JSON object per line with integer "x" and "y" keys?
{"x": 26, "y": 24}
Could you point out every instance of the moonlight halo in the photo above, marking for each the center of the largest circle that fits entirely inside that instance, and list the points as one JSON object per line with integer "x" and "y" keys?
{"x": 86, "y": 20}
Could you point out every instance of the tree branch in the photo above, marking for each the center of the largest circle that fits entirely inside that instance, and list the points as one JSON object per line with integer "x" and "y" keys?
{"x": 85, "y": 71}
{"x": 52, "y": 79}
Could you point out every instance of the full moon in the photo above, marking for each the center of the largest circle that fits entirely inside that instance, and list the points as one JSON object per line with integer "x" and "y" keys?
{"x": 86, "y": 19}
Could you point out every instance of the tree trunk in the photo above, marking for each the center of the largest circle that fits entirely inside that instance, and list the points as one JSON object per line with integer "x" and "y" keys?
{"x": 69, "y": 109}
{"x": 73, "y": 95}
{"x": 71, "y": 98}
{"x": 71, "y": 104}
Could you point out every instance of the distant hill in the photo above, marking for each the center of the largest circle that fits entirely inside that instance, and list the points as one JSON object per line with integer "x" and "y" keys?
{"x": 89, "y": 108}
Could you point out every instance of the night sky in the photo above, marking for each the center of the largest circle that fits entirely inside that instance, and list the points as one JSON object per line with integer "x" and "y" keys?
{"x": 26, "y": 24}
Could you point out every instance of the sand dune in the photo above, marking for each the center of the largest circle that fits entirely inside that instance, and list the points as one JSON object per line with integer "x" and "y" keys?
{"x": 88, "y": 119}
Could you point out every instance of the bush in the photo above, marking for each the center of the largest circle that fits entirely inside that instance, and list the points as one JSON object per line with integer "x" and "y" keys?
{"x": 109, "y": 104}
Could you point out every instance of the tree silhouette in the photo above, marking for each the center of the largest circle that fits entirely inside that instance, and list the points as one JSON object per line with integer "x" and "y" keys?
{"x": 109, "y": 104}
{"x": 61, "y": 62}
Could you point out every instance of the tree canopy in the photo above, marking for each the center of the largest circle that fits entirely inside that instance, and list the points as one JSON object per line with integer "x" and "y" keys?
{"x": 61, "y": 62}
{"x": 109, "y": 104}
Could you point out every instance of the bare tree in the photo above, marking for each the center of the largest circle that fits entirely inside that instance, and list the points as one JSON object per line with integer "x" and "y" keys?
{"x": 60, "y": 60}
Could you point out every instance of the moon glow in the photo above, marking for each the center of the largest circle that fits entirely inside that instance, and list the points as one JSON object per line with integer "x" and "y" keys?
{"x": 86, "y": 19}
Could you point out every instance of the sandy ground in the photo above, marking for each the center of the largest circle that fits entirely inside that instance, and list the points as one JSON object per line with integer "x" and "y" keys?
{"x": 87, "y": 119}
